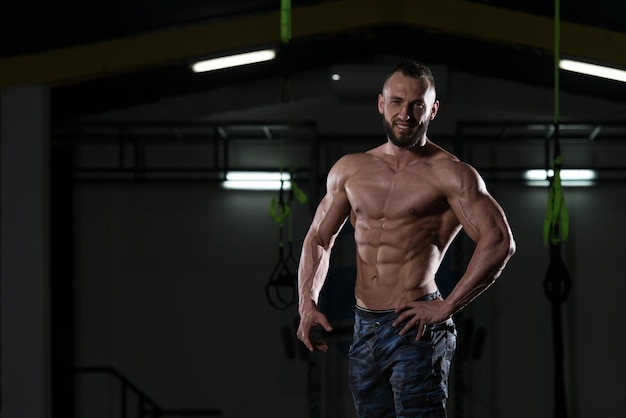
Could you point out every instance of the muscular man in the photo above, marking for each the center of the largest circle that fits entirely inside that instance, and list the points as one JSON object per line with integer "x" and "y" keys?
{"x": 407, "y": 199}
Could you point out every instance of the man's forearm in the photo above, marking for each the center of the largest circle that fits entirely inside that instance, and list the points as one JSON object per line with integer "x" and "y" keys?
{"x": 311, "y": 274}
{"x": 484, "y": 268}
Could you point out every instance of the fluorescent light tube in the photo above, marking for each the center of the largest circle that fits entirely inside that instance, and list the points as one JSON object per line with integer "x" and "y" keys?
{"x": 569, "y": 177}
{"x": 592, "y": 69}
{"x": 234, "y": 60}
{"x": 256, "y": 180}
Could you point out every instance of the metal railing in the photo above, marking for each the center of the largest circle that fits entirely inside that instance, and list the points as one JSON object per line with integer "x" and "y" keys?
{"x": 144, "y": 406}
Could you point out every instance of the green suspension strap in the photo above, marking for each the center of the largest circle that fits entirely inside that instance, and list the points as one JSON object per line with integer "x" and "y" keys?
{"x": 281, "y": 290}
{"x": 285, "y": 21}
{"x": 556, "y": 223}
{"x": 557, "y": 283}
{"x": 285, "y": 36}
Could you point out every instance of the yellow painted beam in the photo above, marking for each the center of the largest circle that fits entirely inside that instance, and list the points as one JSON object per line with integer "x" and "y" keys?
{"x": 180, "y": 45}
{"x": 493, "y": 24}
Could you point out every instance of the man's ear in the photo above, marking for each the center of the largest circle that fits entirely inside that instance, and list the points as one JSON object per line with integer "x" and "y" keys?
{"x": 434, "y": 110}
{"x": 381, "y": 102}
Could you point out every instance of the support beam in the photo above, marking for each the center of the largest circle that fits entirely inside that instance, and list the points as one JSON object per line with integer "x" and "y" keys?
{"x": 180, "y": 45}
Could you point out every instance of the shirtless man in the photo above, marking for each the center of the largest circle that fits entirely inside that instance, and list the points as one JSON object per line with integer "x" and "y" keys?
{"x": 407, "y": 199}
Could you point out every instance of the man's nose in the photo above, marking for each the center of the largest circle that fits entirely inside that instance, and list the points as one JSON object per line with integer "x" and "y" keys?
{"x": 405, "y": 113}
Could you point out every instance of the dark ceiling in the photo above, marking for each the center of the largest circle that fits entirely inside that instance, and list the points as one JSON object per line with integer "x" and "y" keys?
{"x": 30, "y": 29}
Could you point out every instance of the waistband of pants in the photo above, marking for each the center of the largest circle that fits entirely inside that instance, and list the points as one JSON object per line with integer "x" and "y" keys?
{"x": 375, "y": 313}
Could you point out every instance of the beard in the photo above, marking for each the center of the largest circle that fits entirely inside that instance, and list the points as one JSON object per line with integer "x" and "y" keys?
{"x": 408, "y": 140}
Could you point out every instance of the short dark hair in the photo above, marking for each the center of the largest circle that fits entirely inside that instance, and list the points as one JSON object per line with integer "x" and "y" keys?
{"x": 413, "y": 69}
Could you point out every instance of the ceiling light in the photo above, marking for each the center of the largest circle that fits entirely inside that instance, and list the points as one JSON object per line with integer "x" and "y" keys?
{"x": 234, "y": 60}
{"x": 595, "y": 70}
{"x": 256, "y": 180}
{"x": 569, "y": 177}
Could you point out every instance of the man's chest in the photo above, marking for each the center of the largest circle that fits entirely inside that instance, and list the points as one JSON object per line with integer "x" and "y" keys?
{"x": 380, "y": 193}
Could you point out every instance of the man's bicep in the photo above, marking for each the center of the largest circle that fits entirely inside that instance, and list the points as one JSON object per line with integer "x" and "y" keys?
{"x": 477, "y": 211}
{"x": 334, "y": 207}
{"x": 486, "y": 218}
{"x": 482, "y": 217}
{"x": 330, "y": 216}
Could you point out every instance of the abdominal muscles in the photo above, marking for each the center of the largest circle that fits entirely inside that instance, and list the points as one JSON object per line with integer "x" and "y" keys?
{"x": 396, "y": 261}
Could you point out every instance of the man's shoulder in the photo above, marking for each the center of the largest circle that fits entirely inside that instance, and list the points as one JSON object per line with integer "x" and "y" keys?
{"x": 346, "y": 167}
{"x": 455, "y": 175}
{"x": 355, "y": 160}
{"x": 442, "y": 159}
{"x": 452, "y": 165}
{"x": 439, "y": 155}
